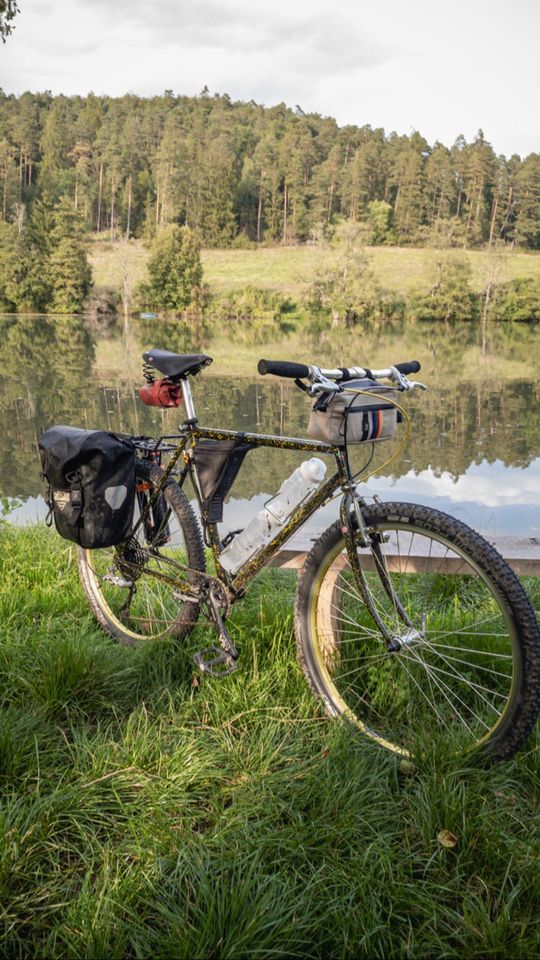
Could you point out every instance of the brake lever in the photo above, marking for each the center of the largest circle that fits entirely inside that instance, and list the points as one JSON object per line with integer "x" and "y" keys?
{"x": 403, "y": 382}
{"x": 321, "y": 384}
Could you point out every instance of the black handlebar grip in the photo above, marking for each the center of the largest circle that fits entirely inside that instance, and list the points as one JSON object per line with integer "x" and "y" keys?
{"x": 283, "y": 368}
{"x": 411, "y": 367}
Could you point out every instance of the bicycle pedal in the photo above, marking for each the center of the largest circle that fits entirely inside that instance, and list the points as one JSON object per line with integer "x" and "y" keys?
{"x": 215, "y": 662}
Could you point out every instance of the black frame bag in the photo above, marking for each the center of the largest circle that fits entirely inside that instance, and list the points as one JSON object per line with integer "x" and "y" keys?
{"x": 91, "y": 484}
{"x": 218, "y": 463}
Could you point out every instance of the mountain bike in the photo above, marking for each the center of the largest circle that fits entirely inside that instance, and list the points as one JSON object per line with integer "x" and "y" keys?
{"x": 408, "y": 624}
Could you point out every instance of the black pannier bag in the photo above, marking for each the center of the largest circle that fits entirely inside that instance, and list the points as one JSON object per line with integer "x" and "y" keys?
{"x": 350, "y": 417}
{"x": 218, "y": 463}
{"x": 91, "y": 484}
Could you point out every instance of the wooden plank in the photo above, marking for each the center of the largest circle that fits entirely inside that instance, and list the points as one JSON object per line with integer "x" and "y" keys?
{"x": 521, "y": 553}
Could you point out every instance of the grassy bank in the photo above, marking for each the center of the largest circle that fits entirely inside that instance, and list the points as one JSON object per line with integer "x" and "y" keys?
{"x": 145, "y": 811}
{"x": 290, "y": 269}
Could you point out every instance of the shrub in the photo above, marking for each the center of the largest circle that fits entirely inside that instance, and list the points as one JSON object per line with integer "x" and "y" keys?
{"x": 253, "y": 315}
{"x": 518, "y": 299}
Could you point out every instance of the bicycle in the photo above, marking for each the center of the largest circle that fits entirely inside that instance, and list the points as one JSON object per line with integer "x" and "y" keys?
{"x": 408, "y": 623}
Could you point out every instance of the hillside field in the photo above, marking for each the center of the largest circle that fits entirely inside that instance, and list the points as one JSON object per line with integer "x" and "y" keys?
{"x": 290, "y": 269}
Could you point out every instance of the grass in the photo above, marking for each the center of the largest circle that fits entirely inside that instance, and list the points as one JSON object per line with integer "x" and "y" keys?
{"x": 290, "y": 269}
{"x": 148, "y": 812}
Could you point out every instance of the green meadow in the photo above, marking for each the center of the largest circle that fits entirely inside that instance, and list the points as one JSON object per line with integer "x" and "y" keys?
{"x": 289, "y": 270}
{"x": 148, "y": 811}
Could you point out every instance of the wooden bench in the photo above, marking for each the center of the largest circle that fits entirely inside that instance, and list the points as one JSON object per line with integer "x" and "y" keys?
{"x": 521, "y": 553}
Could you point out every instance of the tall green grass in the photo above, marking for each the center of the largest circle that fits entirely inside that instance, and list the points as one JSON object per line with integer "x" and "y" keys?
{"x": 147, "y": 811}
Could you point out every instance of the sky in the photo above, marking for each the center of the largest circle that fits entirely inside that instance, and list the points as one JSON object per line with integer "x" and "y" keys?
{"x": 442, "y": 67}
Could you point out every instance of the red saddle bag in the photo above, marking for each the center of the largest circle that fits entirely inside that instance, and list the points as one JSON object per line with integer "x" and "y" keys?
{"x": 161, "y": 393}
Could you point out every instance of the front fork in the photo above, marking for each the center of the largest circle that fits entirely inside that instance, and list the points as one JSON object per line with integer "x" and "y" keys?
{"x": 356, "y": 533}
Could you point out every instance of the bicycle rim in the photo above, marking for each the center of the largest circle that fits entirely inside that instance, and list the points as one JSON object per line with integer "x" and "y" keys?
{"x": 123, "y": 583}
{"x": 455, "y": 674}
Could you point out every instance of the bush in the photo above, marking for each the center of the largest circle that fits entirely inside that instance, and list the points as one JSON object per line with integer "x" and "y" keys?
{"x": 450, "y": 297}
{"x": 517, "y": 300}
{"x": 253, "y": 315}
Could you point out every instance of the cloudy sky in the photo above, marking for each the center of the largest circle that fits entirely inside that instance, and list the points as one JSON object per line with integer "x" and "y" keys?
{"x": 442, "y": 68}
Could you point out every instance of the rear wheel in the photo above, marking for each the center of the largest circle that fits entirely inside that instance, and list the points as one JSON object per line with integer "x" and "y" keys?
{"x": 124, "y": 584}
{"x": 437, "y": 646}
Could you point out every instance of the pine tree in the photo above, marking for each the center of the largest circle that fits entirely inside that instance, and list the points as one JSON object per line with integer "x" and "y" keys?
{"x": 26, "y": 281}
{"x": 175, "y": 270}
{"x": 408, "y": 177}
{"x": 527, "y": 230}
{"x": 479, "y": 178}
{"x": 70, "y": 272}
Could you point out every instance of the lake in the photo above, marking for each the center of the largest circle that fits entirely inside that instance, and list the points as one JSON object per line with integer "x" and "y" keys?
{"x": 473, "y": 451}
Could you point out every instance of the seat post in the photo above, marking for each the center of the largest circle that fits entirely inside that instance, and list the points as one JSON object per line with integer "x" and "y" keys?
{"x": 188, "y": 400}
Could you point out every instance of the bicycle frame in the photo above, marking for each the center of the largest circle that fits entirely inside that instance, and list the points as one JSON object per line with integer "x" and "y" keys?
{"x": 190, "y": 432}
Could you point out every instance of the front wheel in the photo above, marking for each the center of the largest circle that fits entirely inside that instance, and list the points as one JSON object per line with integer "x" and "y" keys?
{"x": 436, "y": 646}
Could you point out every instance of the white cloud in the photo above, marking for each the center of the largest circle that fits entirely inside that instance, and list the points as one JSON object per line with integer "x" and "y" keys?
{"x": 489, "y": 484}
{"x": 441, "y": 69}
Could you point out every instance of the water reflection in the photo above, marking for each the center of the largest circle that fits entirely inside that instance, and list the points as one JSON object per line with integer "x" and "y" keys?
{"x": 473, "y": 448}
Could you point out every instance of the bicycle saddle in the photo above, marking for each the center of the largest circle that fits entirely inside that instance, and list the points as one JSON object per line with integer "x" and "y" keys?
{"x": 176, "y": 364}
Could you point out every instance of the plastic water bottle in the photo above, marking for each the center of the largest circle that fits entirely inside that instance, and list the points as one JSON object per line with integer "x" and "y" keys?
{"x": 267, "y": 522}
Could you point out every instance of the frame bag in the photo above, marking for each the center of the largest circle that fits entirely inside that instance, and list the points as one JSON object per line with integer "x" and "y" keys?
{"x": 218, "y": 463}
{"x": 349, "y": 417}
{"x": 91, "y": 484}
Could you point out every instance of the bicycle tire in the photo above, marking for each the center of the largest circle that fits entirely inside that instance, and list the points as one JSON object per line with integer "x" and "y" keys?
{"x": 154, "y": 611}
{"x": 467, "y": 674}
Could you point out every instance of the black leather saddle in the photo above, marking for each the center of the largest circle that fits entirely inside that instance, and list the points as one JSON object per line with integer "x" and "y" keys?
{"x": 176, "y": 364}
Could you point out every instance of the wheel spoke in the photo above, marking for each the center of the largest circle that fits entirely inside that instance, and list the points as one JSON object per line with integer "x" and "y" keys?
{"x": 437, "y": 638}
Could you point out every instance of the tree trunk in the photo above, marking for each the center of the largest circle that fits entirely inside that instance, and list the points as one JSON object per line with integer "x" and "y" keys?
{"x": 331, "y": 199}
{"x": 100, "y": 195}
{"x": 112, "y": 210}
{"x": 259, "y": 208}
{"x": 493, "y": 218}
{"x": 485, "y": 315}
{"x": 285, "y": 206}
{"x": 128, "y": 224}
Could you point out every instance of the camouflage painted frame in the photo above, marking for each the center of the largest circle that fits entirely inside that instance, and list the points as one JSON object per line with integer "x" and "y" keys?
{"x": 190, "y": 433}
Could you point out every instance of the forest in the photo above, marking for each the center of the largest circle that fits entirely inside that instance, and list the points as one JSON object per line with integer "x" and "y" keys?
{"x": 240, "y": 173}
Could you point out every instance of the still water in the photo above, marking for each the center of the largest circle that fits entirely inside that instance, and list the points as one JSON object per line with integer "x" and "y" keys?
{"x": 473, "y": 451}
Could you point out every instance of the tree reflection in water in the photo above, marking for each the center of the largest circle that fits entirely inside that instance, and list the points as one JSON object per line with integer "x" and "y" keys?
{"x": 48, "y": 376}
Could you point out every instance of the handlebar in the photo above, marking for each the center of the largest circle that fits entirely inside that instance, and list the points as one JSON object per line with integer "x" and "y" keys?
{"x": 410, "y": 366}
{"x": 295, "y": 371}
{"x": 283, "y": 368}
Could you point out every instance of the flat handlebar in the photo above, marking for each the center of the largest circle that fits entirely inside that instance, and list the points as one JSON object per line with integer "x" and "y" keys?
{"x": 283, "y": 368}
{"x": 295, "y": 371}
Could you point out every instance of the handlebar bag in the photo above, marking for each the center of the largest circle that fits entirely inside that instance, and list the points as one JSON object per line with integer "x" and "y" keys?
{"x": 91, "y": 484}
{"x": 218, "y": 463}
{"x": 351, "y": 417}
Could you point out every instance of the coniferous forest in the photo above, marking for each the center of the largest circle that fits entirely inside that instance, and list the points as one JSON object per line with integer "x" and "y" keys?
{"x": 239, "y": 174}
{"x": 236, "y": 172}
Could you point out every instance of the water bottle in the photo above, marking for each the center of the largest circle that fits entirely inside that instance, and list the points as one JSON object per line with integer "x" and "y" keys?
{"x": 267, "y": 522}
